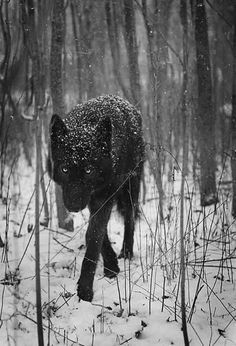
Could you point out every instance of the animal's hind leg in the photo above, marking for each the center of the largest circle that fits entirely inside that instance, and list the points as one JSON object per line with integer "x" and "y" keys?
{"x": 127, "y": 204}
{"x": 111, "y": 268}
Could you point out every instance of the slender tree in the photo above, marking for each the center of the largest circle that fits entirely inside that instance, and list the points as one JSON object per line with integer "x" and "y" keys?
{"x": 113, "y": 35}
{"x": 233, "y": 121}
{"x": 5, "y": 68}
{"x": 5, "y": 62}
{"x": 156, "y": 24}
{"x": 74, "y": 15}
{"x": 132, "y": 52}
{"x": 184, "y": 22}
{"x": 88, "y": 49}
{"x": 34, "y": 39}
{"x": 205, "y": 116}
{"x": 57, "y": 43}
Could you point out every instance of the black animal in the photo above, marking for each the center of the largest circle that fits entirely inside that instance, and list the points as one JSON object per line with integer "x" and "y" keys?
{"x": 96, "y": 155}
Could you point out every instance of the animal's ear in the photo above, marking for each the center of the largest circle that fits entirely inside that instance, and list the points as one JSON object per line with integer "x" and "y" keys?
{"x": 57, "y": 127}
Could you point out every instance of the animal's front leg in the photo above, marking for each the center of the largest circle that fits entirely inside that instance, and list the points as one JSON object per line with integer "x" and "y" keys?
{"x": 94, "y": 239}
{"x": 95, "y": 236}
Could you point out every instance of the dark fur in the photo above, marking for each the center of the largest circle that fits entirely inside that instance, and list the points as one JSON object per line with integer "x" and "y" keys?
{"x": 96, "y": 155}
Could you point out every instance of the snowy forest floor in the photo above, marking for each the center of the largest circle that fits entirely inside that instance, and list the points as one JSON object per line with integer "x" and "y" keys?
{"x": 141, "y": 306}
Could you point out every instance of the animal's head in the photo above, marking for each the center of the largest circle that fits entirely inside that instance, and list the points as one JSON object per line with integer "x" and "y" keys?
{"x": 79, "y": 158}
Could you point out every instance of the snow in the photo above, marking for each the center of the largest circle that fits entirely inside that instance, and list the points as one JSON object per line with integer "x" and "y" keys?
{"x": 123, "y": 311}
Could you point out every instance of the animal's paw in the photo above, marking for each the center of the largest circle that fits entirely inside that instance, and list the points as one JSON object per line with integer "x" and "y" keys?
{"x": 111, "y": 271}
{"x": 126, "y": 254}
{"x": 84, "y": 292}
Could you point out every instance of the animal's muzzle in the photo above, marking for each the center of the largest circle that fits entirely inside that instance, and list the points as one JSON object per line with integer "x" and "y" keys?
{"x": 75, "y": 198}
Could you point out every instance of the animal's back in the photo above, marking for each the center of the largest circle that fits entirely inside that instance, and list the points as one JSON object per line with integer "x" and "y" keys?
{"x": 126, "y": 122}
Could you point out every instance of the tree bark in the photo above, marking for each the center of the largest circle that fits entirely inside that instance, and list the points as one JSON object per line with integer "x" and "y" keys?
{"x": 34, "y": 40}
{"x": 157, "y": 29}
{"x": 113, "y": 35}
{"x": 184, "y": 22}
{"x": 73, "y": 7}
{"x": 205, "y": 117}
{"x": 4, "y": 66}
{"x": 85, "y": 19}
{"x": 233, "y": 121}
{"x": 132, "y": 52}
{"x": 57, "y": 43}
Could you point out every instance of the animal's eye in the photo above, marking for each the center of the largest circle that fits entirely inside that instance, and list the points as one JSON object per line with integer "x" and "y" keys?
{"x": 88, "y": 170}
{"x": 64, "y": 169}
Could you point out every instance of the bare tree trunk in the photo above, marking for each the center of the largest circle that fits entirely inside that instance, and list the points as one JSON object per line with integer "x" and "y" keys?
{"x": 113, "y": 35}
{"x": 34, "y": 41}
{"x": 233, "y": 121}
{"x": 4, "y": 87}
{"x": 4, "y": 66}
{"x": 58, "y": 31}
{"x": 156, "y": 28}
{"x": 132, "y": 52}
{"x": 184, "y": 21}
{"x": 38, "y": 139}
{"x": 91, "y": 86}
{"x": 206, "y": 119}
{"x": 45, "y": 221}
{"x": 155, "y": 123}
{"x": 73, "y": 7}
{"x": 185, "y": 108}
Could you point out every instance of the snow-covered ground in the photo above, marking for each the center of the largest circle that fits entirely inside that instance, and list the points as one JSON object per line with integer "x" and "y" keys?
{"x": 141, "y": 307}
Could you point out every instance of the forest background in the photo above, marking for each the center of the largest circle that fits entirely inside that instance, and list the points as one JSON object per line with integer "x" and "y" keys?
{"x": 174, "y": 60}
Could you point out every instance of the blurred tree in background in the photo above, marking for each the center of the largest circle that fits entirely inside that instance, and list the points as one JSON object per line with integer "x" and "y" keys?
{"x": 135, "y": 49}
{"x": 57, "y": 94}
{"x": 205, "y": 113}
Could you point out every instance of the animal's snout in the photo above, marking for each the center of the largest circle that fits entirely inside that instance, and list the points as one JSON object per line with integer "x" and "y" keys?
{"x": 75, "y": 198}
